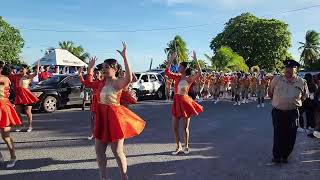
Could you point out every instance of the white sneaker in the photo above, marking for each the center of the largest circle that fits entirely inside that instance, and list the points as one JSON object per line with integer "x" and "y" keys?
{"x": 11, "y": 163}
{"x": 18, "y": 130}
{"x": 244, "y": 101}
{"x": 262, "y": 105}
{"x": 177, "y": 151}
{"x": 29, "y": 129}
{"x": 258, "y": 106}
{"x": 300, "y": 129}
{"x": 186, "y": 150}
{"x": 239, "y": 103}
{"x": 90, "y": 137}
{"x": 316, "y": 134}
{"x": 235, "y": 104}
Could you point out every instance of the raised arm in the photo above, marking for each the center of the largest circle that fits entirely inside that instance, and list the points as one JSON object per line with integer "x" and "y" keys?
{"x": 123, "y": 82}
{"x": 31, "y": 76}
{"x": 198, "y": 73}
{"x": 167, "y": 72}
{"x": 88, "y": 82}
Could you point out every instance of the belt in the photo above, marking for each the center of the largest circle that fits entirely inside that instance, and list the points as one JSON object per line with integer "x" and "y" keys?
{"x": 285, "y": 110}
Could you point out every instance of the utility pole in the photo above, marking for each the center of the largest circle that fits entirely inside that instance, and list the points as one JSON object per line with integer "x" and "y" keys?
{"x": 151, "y": 64}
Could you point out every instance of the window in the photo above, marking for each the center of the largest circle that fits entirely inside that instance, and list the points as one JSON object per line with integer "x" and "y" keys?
{"x": 145, "y": 78}
{"x": 153, "y": 78}
{"x": 74, "y": 81}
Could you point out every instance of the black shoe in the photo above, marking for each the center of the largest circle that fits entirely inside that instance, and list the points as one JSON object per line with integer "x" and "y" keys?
{"x": 276, "y": 161}
{"x": 284, "y": 160}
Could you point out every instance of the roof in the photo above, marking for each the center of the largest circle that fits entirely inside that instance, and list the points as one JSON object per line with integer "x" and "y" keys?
{"x": 61, "y": 57}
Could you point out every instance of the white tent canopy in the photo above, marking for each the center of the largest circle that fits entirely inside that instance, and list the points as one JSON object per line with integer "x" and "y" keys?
{"x": 61, "y": 57}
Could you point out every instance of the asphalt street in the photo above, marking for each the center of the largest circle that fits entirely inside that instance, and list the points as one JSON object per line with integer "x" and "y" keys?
{"x": 227, "y": 142}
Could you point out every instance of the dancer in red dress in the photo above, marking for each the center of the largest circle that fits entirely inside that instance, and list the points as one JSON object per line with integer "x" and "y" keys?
{"x": 127, "y": 97}
{"x": 183, "y": 106}
{"x": 113, "y": 122}
{"x": 98, "y": 76}
{"x": 24, "y": 98}
{"x": 8, "y": 115}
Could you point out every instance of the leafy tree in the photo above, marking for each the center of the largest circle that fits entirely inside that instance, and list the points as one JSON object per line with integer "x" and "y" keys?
{"x": 11, "y": 43}
{"x": 262, "y": 42}
{"x": 310, "y": 50}
{"x": 202, "y": 64}
{"x": 227, "y": 60}
{"x": 177, "y": 45}
{"x": 78, "y": 51}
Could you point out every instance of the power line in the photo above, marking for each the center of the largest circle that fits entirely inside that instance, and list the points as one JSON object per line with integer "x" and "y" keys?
{"x": 156, "y": 29}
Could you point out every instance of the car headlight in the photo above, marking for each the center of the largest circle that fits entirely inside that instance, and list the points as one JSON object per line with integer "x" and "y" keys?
{"x": 37, "y": 94}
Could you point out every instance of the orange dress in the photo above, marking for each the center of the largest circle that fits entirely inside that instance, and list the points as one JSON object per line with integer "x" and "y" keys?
{"x": 22, "y": 92}
{"x": 183, "y": 105}
{"x": 8, "y": 115}
{"x": 112, "y": 120}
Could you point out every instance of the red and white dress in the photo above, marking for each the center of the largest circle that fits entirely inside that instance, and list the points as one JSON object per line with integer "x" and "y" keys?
{"x": 8, "y": 115}
{"x": 22, "y": 92}
{"x": 112, "y": 120}
{"x": 183, "y": 105}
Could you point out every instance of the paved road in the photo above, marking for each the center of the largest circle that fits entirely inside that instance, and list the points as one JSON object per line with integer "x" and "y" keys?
{"x": 227, "y": 142}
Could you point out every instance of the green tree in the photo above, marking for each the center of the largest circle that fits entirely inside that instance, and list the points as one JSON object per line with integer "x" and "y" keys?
{"x": 227, "y": 60}
{"x": 262, "y": 42}
{"x": 310, "y": 49}
{"x": 78, "y": 51}
{"x": 202, "y": 64}
{"x": 11, "y": 43}
{"x": 177, "y": 45}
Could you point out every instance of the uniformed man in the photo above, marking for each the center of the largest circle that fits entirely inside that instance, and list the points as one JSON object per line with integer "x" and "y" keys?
{"x": 287, "y": 92}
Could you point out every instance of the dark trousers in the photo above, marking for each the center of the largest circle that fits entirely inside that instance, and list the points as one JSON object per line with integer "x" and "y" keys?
{"x": 260, "y": 100}
{"x": 308, "y": 107}
{"x": 285, "y": 131}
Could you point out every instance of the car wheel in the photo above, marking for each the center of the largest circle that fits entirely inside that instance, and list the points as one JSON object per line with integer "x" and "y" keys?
{"x": 134, "y": 94}
{"x": 49, "y": 104}
{"x": 159, "y": 94}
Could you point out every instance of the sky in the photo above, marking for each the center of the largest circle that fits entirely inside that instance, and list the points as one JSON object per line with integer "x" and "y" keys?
{"x": 121, "y": 17}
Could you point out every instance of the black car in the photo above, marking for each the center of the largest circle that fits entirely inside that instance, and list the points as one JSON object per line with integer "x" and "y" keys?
{"x": 57, "y": 92}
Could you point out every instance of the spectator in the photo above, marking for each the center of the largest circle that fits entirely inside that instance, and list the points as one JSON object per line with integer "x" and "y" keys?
{"x": 45, "y": 74}
{"x": 35, "y": 80}
{"x": 316, "y": 132}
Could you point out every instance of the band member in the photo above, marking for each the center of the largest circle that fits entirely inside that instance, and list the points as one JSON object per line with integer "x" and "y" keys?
{"x": 113, "y": 122}
{"x": 8, "y": 115}
{"x": 183, "y": 106}
{"x": 261, "y": 88}
{"x": 253, "y": 86}
{"x": 287, "y": 92}
{"x": 24, "y": 99}
{"x": 245, "y": 85}
{"x": 237, "y": 89}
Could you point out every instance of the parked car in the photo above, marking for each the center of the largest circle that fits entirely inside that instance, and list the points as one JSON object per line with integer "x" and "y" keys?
{"x": 57, "y": 92}
{"x": 149, "y": 84}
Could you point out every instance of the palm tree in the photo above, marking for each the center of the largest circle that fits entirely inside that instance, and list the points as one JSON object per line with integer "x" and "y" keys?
{"x": 78, "y": 51}
{"x": 310, "y": 48}
{"x": 179, "y": 46}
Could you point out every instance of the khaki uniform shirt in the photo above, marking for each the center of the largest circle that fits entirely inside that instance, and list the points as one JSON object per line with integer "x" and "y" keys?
{"x": 288, "y": 95}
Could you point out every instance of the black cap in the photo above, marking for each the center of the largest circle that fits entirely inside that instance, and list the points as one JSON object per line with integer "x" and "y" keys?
{"x": 291, "y": 63}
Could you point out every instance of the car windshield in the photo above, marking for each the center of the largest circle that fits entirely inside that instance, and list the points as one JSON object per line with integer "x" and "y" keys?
{"x": 54, "y": 80}
{"x": 137, "y": 75}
